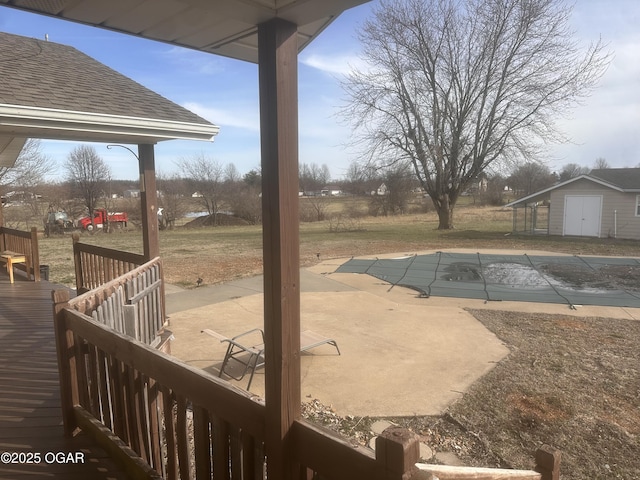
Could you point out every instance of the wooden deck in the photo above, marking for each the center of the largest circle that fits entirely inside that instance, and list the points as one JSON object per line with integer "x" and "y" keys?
{"x": 30, "y": 413}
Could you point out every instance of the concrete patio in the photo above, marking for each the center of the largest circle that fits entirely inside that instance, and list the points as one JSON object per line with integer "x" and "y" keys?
{"x": 401, "y": 355}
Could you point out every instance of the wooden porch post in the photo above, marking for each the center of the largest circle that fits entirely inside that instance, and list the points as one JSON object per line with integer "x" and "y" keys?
{"x": 278, "y": 74}
{"x": 148, "y": 201}
{"x": 69, "y": 396}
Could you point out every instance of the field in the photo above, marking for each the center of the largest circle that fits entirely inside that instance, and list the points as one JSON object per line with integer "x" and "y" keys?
{"x": 570, "y": 381}
{"x": 218, "y": 254}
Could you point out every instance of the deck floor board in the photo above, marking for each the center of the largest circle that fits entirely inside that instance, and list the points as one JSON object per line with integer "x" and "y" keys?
{"x": 30, "y": 413}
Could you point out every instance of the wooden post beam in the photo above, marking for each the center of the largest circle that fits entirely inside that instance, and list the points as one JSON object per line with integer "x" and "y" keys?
{"x": 548, "y": 462}
{"x": 35, "y": 256}
{"x": 148, "y": 202}
{"x": 278, "y": 75}
{"x": 69, "y": 396}
{"x": 397, "y": 451}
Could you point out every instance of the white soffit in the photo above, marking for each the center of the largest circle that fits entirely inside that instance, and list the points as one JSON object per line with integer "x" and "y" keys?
{"x": 224, "y": 27}
{"x": 21, "y": 121}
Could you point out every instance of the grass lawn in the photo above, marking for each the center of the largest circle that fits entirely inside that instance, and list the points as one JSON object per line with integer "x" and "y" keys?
{"x": 218, "y": 254}
{"x": 570, "y": 381}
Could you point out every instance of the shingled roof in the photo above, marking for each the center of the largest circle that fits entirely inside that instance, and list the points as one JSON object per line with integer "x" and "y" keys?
{"x": 49, "y": 90}
{"x": 49, "y": 75}
{"x": 625, "y": 178}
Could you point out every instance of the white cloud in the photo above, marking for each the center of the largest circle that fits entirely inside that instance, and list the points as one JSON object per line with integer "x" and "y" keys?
{"x": 340, "y": 65}
{"x": 196, "y": 62}
{"x": 240, "y": 117}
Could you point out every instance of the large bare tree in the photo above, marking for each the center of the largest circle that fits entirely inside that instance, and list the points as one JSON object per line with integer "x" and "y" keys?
{"x": 88, "y": 174}
{"x": 455, "y": 86}
{"x": 25, "y": 177}
{"x": 205, "y": 177}
{"x": 313, "y": 177}
{"x": 30, "y": 168}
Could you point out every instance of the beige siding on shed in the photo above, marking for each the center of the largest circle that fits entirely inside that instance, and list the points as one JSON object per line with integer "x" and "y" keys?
{"x": 627, "y": 224}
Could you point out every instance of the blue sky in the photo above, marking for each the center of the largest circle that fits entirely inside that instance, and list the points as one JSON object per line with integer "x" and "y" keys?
{"x": 225, "y": 91}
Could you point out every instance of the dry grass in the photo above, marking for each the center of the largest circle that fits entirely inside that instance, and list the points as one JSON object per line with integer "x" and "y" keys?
{"x": 570, "y": 382}
{"x": 218, "y": 254}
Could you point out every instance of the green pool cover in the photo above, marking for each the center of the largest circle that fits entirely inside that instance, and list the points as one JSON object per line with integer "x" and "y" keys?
{"x": 573, "y": 280}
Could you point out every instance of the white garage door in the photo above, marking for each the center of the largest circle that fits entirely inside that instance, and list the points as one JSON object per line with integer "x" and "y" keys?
{"x": 582, "y": 215}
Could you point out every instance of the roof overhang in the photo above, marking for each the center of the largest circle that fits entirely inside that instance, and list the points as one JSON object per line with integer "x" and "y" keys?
{"x": 20, "y": 122}
{"x": 223, "y": 27}
{"x": 55, "y": 124}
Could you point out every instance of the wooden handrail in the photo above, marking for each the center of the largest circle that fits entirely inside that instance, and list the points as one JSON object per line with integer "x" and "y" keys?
{"x": 446, "y": 472}
{"x": 150, "y": 400}
{"x": 314, "y": 445}
{"x": 96, "y": 265}
{"x": 231, "y": 403}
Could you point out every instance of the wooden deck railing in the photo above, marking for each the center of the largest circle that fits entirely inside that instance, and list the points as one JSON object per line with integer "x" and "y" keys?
{"x": 96, "y": 266}
{"x": 396, "y": 455}
{"x": 161, "y": 418}
{"x": 132, "y": 303}
{"x": 23, "y": 242}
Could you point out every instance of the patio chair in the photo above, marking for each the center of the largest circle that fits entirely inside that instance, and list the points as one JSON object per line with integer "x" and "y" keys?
{"x": 251, "y": 354}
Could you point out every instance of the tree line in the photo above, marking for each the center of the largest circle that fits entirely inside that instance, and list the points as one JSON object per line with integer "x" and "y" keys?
{"x": 220, "y": 190}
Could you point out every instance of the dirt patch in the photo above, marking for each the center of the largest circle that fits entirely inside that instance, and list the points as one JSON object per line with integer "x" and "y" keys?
{"x": 216, "y": 220}
{"x": 535, "y": 409}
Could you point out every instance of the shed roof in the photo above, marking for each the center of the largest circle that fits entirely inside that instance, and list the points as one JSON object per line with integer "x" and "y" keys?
{"x": 620, "y": 179}
{"x": 625, "y": 178}
{"x": 54, "y": 91}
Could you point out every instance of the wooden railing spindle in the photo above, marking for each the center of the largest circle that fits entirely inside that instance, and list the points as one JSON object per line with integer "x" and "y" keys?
{"x": 182, "y": 438}
{"x": 170, "y": 434}
{"x": 202, "y": 443}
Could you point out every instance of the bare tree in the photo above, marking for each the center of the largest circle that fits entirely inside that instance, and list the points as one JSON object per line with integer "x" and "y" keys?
{"x": 398, "y": 182}
{"x": 231, "y": 174}
{"x": 572, "y": 170}
{"x": 601, "y": 164}
{"x": 456, "y": 86}
{"x": 172, "y": 200}
{"x": 88, "y": 176}
{"x": 30, "y": 168}
{"x": 313, "y": 177}
{"x": 362, "y": 179}
{"x": 205, "y": 177}
{"x": 242, "y": 194}
{"x": 531, "y": 177}
{"x": 27, "y": 174}
{"x": 314, "y": 208}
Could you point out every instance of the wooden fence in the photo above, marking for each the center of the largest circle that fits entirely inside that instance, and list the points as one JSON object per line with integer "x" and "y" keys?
{"x": 161, "y": 418}
{"x": 96, "y": 266}
{"x": 132, "y": 304}
{"x": 25, "y": 243}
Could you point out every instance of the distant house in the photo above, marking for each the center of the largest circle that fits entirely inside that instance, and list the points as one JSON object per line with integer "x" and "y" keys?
{"x": 331, "y": 191}
{"x": 133, "y": 193}
{"x": 19, "y": 197}
{"x": 381, "y": 190}
{"x": 603, "y": 203}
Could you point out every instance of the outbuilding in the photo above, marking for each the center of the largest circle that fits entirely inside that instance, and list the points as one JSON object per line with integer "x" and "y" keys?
{"x": 604, "y": 203}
